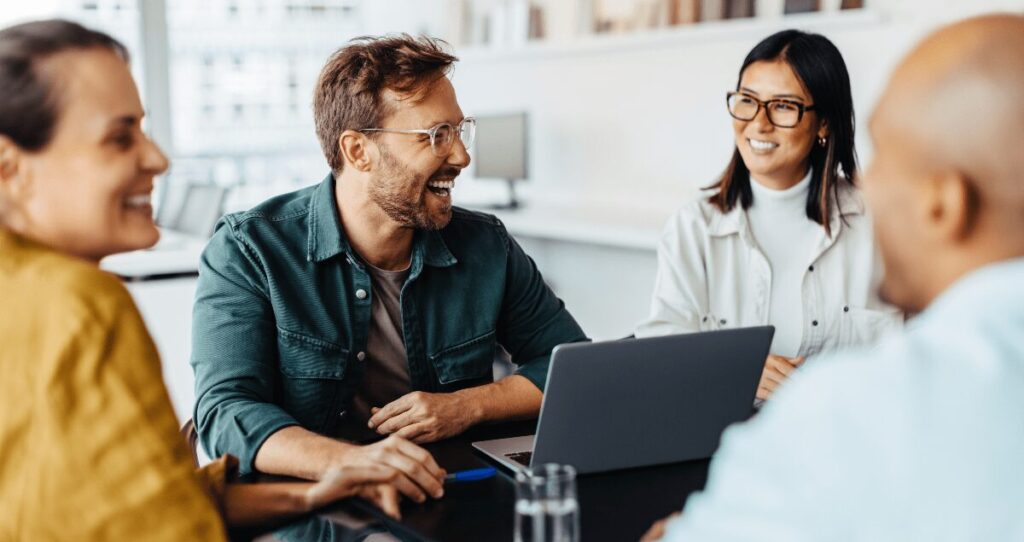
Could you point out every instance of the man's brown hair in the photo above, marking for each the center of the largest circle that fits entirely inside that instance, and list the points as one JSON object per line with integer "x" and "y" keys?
{"x": 349, "y": 92}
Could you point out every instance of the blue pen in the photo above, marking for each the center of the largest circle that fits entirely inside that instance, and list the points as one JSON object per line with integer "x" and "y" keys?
{"x": 471, "y": 475}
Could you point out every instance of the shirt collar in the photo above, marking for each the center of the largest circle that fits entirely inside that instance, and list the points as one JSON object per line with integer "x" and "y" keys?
{"x": 326, "y": 238}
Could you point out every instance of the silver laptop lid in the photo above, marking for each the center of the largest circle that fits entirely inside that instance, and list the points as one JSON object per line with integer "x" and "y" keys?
{"x": 639, "y": 402}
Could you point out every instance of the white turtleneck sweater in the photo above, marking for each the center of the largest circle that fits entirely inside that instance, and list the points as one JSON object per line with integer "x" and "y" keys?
{"x": 779, "y": 224}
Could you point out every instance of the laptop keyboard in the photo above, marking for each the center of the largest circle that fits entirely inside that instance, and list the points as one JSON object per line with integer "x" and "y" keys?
{"x": 523, "y": 458}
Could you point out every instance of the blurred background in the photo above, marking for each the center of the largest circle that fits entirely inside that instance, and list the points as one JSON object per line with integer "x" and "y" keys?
{"x": 608, "y": 115}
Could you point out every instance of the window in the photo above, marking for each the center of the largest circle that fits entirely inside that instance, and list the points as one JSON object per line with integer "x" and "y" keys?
{"x": 117, "y": 18}
{"x": 256, "y": 63}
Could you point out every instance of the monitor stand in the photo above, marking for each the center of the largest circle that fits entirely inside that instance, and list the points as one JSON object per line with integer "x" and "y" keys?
{"x": 512, "y": 203}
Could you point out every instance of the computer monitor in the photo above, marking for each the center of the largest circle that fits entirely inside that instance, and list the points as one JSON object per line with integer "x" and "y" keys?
{"x": 500, "y": 151}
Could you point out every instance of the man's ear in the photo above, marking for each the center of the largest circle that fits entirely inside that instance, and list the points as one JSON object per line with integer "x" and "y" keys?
{"x": 357, "y": 151}
{"x": 952, "y": 205}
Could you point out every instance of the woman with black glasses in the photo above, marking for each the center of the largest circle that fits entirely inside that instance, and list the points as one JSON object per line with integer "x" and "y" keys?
{"x": 782, "y": 237}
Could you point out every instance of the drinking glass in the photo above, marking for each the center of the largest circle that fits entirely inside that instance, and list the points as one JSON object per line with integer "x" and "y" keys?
{"x": 546, "y": 506}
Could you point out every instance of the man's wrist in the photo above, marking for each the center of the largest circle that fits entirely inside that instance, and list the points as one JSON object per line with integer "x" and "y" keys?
{"x": 341, "y": 456}
{"x": 473, "y": 403}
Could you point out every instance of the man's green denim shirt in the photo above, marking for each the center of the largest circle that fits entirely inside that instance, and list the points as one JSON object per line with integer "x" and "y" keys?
{"x": 282, "y": 314}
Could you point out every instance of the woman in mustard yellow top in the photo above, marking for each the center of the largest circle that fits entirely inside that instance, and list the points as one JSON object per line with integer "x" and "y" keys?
{"x": 89, "y": 448}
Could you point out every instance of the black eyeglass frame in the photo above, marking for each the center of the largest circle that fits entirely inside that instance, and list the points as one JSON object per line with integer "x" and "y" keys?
{"x": 801, "y": 108}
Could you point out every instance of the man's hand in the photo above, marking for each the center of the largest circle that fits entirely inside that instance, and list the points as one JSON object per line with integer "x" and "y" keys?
{"x": 776, "y": 370}
{"x": 658, "y": 529}
{"x": 425, "y": 417}
{"x": 373, "y": 483}
{"x": 416, "y": 473}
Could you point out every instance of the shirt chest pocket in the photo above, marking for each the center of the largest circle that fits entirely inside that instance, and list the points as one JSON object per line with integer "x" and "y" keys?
{"x": 863, "y": 327}
{"x": 466, "y": 364}
{"x": 312, "y": 375}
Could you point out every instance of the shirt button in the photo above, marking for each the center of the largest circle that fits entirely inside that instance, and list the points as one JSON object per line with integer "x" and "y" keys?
{"x": 814, "y": 323}
{"x": 360, "y": 294}
{"x": 846, "y": 309}
{"x": 722, "y": 321}
{"x": 811, "y": 269}
{"x": 361, "y": 356}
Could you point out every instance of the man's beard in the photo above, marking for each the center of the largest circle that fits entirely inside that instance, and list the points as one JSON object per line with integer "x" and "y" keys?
{"x": 389, "y": 189}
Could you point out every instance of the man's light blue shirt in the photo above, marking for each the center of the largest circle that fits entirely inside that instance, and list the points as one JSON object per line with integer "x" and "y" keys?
{"x": 920, "y": 438}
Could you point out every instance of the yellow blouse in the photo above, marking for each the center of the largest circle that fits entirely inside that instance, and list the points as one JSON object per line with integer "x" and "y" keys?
{"x": 89, "y": 446}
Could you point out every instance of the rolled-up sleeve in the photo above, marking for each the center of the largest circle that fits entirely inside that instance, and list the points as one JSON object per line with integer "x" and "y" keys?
{"x": 234, "y": 352}
{"x": 533, "y": 320}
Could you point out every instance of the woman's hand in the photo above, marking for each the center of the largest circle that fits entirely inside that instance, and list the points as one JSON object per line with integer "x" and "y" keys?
{"x": 373, "y": 483}
{"x": 267, "y": 503}
{"x": 776, "y": 370}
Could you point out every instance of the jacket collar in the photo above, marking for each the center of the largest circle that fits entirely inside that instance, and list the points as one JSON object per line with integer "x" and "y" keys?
{"x": 326, "y": 238}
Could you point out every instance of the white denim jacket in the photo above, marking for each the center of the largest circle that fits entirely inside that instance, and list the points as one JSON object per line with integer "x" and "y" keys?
{"x": 712, "y": 275}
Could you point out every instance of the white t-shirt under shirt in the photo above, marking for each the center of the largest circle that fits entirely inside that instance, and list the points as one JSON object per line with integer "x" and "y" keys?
{"x": 787, "y": 237}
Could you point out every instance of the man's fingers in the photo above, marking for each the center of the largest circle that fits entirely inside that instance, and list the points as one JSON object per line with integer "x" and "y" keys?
{"x": 411, "y": 432}
{"x": 797, "y": 361}
{"x": 420, "y": 456}
{"x": 389, "y": 410}
{"x": 658, "y": 529}
{"x": 406, "y": 486}
{"x": 393, "y": 424}
{"x": 417, "y": 474}
{"x": 763, "y": 393}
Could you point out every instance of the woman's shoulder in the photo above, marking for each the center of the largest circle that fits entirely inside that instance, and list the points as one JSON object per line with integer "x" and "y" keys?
{"x": 696, "y": 210}
{"x": 697, "y": 216}
{"x": 50, "y": 279}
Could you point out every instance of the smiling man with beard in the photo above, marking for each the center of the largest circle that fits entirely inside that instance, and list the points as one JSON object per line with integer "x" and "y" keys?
{"x": 368, "y": 303}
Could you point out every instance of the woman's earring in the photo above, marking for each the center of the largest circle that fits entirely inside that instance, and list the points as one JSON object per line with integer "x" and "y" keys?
{"x": 822, "y": 141}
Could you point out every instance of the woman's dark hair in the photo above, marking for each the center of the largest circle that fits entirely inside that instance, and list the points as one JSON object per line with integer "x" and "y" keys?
{"x": 29, "y": 103}
{"x": 820, "y": 66}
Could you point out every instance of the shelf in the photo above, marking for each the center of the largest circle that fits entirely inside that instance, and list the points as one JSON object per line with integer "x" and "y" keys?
{"x": 671, "y": 37}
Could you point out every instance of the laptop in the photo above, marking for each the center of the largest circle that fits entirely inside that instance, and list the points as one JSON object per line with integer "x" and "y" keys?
{"x": 640, "y": 402}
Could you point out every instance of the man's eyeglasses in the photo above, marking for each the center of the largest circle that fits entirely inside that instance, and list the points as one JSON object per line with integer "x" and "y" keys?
{"x": 782, "y": 113}
{"x": 442, "y": 136}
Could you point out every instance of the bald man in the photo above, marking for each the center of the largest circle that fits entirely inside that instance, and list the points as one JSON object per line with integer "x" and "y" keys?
{"x": 923, "y": 437}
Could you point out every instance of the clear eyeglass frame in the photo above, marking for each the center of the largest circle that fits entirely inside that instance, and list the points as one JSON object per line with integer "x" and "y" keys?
{"x": 772, "y": 108}
{"x": 442, "y": 136}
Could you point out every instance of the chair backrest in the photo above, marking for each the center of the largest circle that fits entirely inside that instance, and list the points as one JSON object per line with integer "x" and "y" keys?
{"x": 201, "y": 207}
{"x": 192, "y": 437}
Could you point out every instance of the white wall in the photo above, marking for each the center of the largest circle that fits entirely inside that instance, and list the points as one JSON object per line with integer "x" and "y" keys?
{"x": 638, "y": 122}
{"x": 640, "y": 119}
